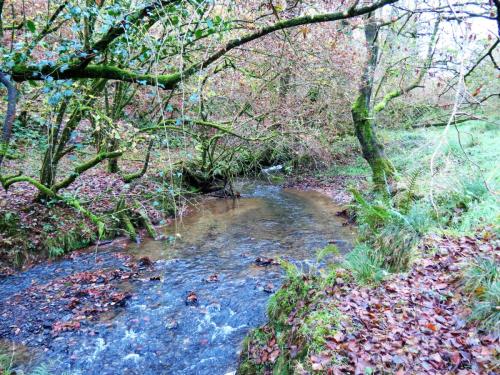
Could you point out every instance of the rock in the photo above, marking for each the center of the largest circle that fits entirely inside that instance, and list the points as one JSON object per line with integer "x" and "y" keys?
{"x": 261, "y": 261}
{"x": 145, "y": 262}
{"x": 191, "y": 299}
{"x": 171, "y": 324}
{"x": 272, "y": 169}
{"x": 269, "y": 288}
{"x": 212, "y": 278}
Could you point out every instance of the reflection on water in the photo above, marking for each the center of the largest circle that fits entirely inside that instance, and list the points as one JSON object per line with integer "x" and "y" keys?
{"x": 157, "y": 333}
{"x": 285, "y": 217}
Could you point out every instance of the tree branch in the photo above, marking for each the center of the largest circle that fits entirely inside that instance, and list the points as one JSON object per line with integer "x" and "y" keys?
{"x": 119, "y": 29}
{"x": 165, "y": 81}
{"x": 132, "y": 176}
{"x": 79, "y": 169}
{"x": 416, "y": 83}
{"x": 170, "y": 81}
{"x": 488, "y": 53}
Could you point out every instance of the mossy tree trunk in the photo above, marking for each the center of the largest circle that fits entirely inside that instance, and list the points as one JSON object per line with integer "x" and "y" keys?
{"x": 121, "y": 97}
{"x": 373, "y": 151}
{"x": 364, "y": 123}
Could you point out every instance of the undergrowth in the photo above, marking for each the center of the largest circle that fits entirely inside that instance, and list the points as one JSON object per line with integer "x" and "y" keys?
{"x": 7, "y": 366}
{"x": 299, "y": 302}
{"x": 482, "y": 282}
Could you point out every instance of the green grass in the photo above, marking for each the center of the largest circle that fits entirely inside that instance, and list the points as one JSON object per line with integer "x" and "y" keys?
{"x": 8, "y": 362}
{"x": 366, "y": 266}
{"x": 465, "y": 165}
{"x": 482, "y": 283}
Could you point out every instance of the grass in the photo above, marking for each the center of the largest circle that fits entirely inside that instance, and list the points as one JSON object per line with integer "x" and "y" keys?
{"x": 482, "y": 283}
{"x": 466, "y": 175}
{"x": 458, "y": 198}
{"x": 365, "y": 265}
{"x": 8, "y": 361}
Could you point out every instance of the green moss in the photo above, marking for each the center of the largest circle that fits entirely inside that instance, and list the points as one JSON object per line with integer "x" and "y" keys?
{"x": 385, "y": 100}
{"x": 65, "y": 241}
{"x": 166, "y": 81}
{"x": 382, "y": 169}
{"x": 296, "y": 301}
{"x": 318, "y": 325}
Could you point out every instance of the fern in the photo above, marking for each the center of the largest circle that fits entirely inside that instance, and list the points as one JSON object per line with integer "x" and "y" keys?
{"x": 328, "y": 249}
{"x": 373, "y": 215}
{"x": 410, "y": 192}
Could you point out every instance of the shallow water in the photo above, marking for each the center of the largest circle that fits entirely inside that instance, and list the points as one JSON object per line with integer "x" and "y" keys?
{"x": 156, "y": 332}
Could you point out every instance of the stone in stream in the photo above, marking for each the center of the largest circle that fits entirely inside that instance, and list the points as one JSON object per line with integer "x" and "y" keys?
{"x": 212, "y": 278}
{"x": 261, "y": 261}
{"x": 191, "y": 299}
{"x": 145, "y": 262}
{"x": 269, "y": 288}
{"x": 171, "y": 324}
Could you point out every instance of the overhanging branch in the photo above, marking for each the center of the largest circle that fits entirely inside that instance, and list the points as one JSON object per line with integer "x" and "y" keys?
{"x": 170, "y": 81}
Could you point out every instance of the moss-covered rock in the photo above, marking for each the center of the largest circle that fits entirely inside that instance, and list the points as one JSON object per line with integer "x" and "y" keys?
{"x": 299, "y": 321}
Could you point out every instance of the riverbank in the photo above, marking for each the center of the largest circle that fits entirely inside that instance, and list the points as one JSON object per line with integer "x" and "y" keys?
{"x": 419, "y": 292}
{"x": 32, "y": 232}
{"x": 414, "y": 322}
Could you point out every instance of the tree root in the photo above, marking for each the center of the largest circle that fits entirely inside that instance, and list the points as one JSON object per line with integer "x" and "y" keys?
{"x": 145, "y": 221}
{"x": 123, "y": 214}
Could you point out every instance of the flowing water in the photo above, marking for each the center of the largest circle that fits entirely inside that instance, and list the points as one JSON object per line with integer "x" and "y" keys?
{"x": 157, "y": 332}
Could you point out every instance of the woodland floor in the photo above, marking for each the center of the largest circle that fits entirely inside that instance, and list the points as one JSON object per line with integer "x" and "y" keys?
{"x": 412, "y": 323}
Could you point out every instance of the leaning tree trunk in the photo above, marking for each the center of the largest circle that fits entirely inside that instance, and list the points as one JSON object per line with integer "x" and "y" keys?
{"x": 372, "y": 149}
{"x": 364, "y": 124}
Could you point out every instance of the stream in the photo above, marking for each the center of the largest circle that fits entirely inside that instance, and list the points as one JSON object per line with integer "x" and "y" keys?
{"x": 214, "y": 255}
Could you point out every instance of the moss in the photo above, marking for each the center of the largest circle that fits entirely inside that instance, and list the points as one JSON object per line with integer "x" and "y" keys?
{"x": 66, "y": 241}
{"x": 295, "y": 319}
{"x": 373, "y": 151}
{"x": 319, "y": 324}
{"x": 386, "y": 99}
{"x": 166, "y": 81}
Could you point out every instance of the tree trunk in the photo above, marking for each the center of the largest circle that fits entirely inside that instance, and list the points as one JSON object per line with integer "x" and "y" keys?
{"x": 372, "y": 149}
{"x": 10, "y": 114}
{"x": 113, "y": 162}
{"x": 364, "y": 124}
